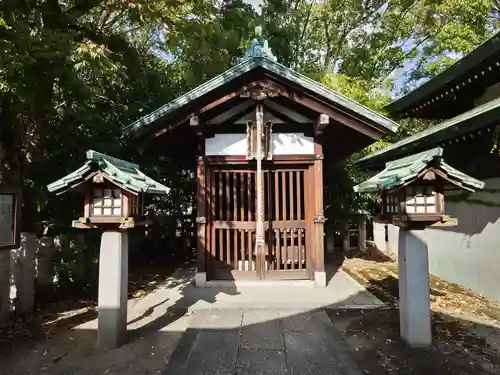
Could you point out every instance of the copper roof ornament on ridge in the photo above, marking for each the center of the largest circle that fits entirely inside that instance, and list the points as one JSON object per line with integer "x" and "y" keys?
{"x": 259, "y": 47}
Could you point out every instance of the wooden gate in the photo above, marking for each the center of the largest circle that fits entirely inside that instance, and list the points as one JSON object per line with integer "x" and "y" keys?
{"x": 231, "y": 206}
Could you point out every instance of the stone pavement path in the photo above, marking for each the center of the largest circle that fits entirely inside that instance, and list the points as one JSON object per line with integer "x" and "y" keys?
{"x": 252, "y": 342}
{"x": 239, "y": 329}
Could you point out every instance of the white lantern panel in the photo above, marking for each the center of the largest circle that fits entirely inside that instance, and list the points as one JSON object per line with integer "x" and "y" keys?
{"x": 410, "y": 209}
{"x": 420, "y": 200}
{"x": 410, "y": 200}
{"x": 431, "y": 208}
{"x": 420, "y": 209}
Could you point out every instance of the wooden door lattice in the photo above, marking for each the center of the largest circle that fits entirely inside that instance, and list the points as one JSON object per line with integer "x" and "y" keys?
{"x": 231, "y": 201}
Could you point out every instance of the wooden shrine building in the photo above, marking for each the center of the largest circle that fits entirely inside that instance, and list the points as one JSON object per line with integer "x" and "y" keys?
{"x": 261, "y": 134}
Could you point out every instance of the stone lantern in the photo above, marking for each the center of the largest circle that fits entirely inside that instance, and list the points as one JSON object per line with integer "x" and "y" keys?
{"x": 113, "y": 201}
{"x": 412, "y": 191}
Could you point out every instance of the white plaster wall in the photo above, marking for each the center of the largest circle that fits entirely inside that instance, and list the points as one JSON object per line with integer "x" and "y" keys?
{"x": 379, "y": 236}
{"x": 468, "y": 254}
{"x": 226, "y": 144}
{"x": 292, "y": 144}
{"x": 392, "y": 242}
{"x": 236, "y": 144}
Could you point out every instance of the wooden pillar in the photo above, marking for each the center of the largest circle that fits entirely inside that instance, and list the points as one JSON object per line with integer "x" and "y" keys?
{"x": 201, "y": 220}
{"x": 319, "y": 218}
{"x": 309, "y": 217}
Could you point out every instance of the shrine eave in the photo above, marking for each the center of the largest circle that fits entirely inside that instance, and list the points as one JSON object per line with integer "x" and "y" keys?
{"x": 481, "y": 118}
{"x": 238, "y": 75}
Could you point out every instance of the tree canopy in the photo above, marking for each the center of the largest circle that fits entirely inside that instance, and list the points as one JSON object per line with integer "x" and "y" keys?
{"x": 73, "y": 72}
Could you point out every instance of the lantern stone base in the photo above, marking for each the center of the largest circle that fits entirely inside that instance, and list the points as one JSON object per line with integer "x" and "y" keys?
{"x": 414, "y": 299}
{"x": 113, "y": 289}
{"x": 320, "y": 279}
{"x": 200, "y": 279}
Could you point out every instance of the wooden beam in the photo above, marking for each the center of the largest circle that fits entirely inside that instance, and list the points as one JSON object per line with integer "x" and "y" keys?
{"x": 321, "y": 123}
{"x": 239, "y": 115}
{"x": 283, "y": 117}
{"x": 209, "y": 106}
{"x": 225, "y": 111}
{"x": 316, "y": 106}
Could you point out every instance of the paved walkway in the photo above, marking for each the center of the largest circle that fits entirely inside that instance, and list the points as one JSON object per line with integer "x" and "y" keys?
{"x": 180, "y": 293}
{"x": 179, "y": 326}
{"x": 255, "y": 342}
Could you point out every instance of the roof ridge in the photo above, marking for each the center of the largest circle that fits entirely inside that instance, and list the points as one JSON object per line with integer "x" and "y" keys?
{"x": 96, "y": 156}
{"x": 279, "y": 69}
{"x": 205, "y": 84}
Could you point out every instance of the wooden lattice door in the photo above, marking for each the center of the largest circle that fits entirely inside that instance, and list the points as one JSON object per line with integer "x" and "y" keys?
{"x": 231, "y": 202}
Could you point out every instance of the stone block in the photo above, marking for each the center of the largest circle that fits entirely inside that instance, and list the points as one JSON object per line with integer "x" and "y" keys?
{"x": 320, "y": 279}
{"x": 5, "y": 276}
{"x": 113, "y": 290}
{"x": 23, "y": 260}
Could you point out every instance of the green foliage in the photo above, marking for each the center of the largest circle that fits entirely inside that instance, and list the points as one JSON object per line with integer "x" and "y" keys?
{"x": 372, "y": 40}
{"x": 73, "y": 73}
{"x": 356, "y": 89}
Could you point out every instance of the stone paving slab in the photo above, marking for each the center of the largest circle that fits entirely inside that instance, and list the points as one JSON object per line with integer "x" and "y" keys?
{"x": 341, "y": 292}
{"x": 168, "y": 321}
{"x": 266, "y": 342}
{"x": 261, "y": 362}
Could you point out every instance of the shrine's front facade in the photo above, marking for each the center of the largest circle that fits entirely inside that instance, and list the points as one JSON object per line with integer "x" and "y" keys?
{"x": 262, "y": 134}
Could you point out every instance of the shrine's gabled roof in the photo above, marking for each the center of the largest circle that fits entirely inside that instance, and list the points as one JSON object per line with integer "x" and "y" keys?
{"x": 400, "y": 172}
{"x": 259, "y": 57}
{"x": 122, "y": 173}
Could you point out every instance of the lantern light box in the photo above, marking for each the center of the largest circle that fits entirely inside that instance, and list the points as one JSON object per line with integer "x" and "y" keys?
{"x": 113, "y": 190}
{"x": 412, "y": 189}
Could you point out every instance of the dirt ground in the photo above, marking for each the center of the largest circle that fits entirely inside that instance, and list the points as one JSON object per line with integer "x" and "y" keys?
{"x": 58, "y": 318}
{"x": 466, "y": 325}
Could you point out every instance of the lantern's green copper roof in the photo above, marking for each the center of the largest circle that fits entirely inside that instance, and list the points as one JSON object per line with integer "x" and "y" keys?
{"x": 122, "y": 173}
{"x": 399, "y": 172}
